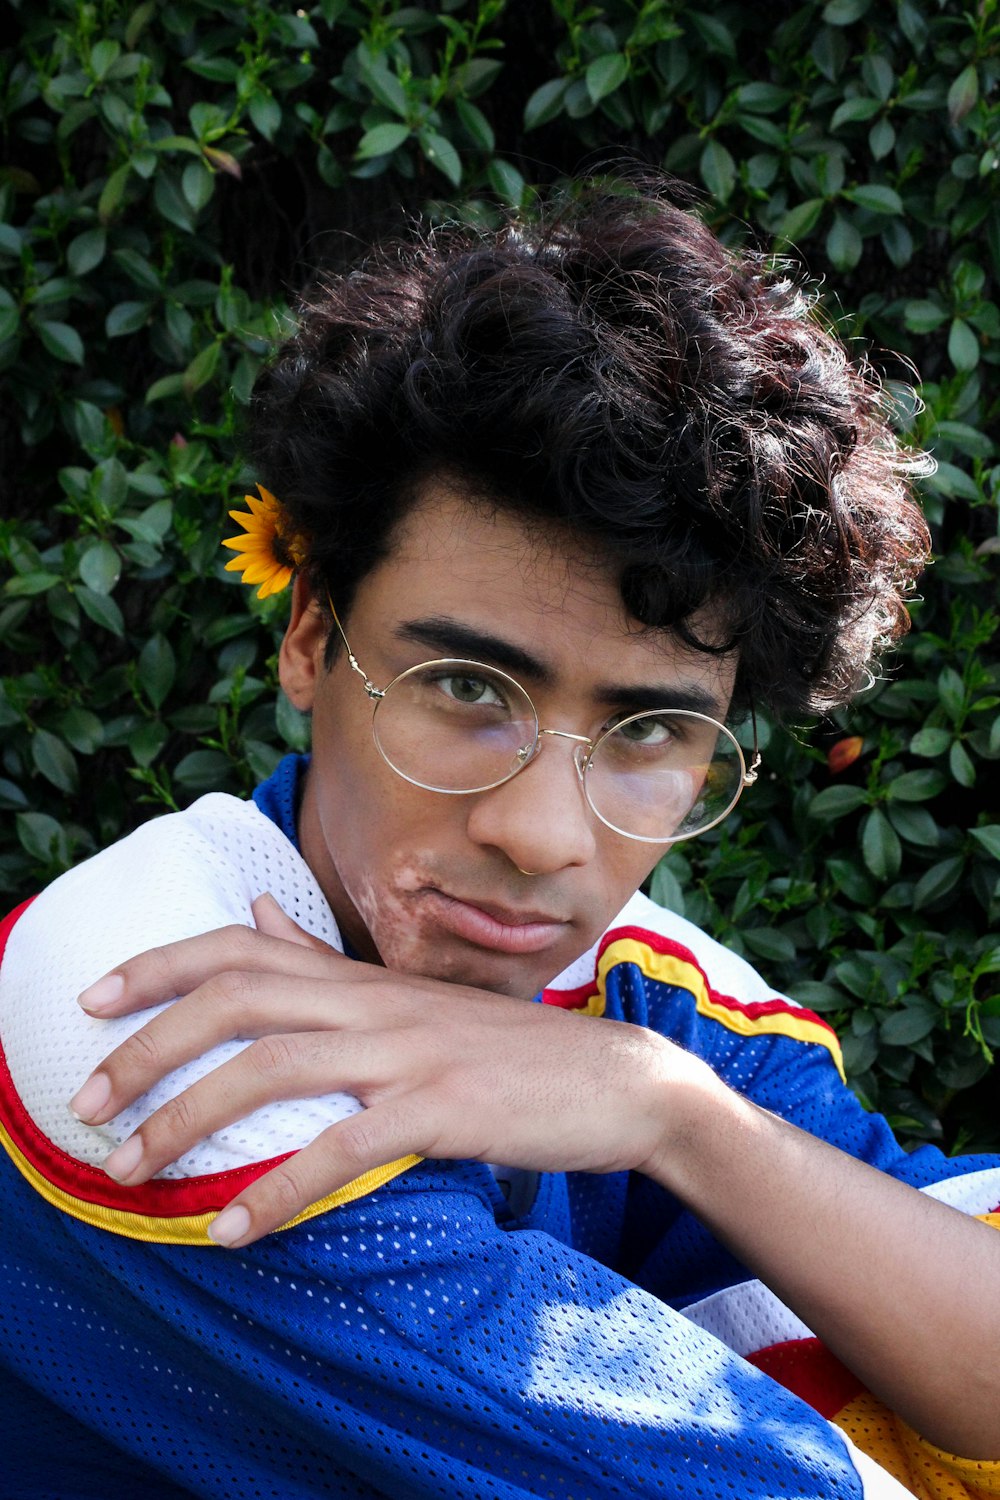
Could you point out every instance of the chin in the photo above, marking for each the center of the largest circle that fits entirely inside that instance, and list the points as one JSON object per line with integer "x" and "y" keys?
{"x": 493, "y": 972}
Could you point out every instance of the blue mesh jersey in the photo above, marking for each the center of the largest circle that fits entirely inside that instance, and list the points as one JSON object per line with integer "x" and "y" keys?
{"x": 418, "y": 1340}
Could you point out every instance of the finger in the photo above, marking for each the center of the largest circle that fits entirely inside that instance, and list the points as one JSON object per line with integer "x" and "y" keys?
{"x": 176, "y": 968}
{"x": 276, "y": 1067}
{"x": 344, "y": 1152}
{"x": 273, "y": 921}
{"x": 241, "y": 1004}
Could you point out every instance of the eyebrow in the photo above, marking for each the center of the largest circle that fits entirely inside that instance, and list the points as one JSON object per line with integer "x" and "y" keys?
{"x": 453, "y": 638}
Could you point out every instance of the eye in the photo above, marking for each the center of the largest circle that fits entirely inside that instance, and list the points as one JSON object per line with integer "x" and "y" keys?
{"x": 654, "y": 730}
{"x": 466, "y": 689}
{"x": 469, "y": 688}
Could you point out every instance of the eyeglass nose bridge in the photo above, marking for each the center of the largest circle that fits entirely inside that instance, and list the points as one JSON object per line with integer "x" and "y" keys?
{"x": 581, "y": 755}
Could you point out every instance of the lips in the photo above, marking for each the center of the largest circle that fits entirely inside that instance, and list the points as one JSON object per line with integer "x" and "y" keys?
{"x": 490, "y": 925}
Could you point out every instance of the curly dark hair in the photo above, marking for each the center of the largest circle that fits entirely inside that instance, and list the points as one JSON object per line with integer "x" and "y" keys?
{"x": 616, "y": 368}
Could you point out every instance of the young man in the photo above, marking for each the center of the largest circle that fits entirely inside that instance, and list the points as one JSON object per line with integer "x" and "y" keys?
{"x": 561, "y": 503}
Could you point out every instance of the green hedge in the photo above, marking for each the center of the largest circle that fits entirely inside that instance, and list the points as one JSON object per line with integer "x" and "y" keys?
{"x": 174, "y": 172}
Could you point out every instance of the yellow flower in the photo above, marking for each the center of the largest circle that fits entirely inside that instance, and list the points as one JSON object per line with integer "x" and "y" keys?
{"x": 269, "y": 552}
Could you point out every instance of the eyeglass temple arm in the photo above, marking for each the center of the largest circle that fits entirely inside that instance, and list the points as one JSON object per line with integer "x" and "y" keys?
{"x": 370, "y": 688}
{"x": 750, "y": 775}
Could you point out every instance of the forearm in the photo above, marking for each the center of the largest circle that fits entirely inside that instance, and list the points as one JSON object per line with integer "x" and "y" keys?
{"x": 905, "y": 1290}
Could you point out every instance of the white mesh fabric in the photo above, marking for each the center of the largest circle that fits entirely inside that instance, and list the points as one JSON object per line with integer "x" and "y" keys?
{"x": 747, "y": 1317}
{"x": 175, "y": 877}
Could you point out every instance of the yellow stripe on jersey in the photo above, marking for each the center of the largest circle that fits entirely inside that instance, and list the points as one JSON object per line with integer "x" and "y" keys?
{"x": 183, "y": 1229}
{"x": 667, "y": 968}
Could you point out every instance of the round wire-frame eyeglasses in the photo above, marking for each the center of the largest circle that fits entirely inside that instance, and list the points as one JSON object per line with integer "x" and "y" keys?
{"x": 701, "y": 811}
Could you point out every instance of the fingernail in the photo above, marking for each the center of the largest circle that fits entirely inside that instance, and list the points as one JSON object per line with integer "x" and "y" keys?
{"x": 92, "y": 1097}
{"x": 102, "y": 994}
{"x": 124, "y": 1159}
{"x": 229, "y": 1226}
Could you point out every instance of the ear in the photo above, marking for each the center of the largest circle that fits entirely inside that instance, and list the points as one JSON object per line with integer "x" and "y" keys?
{"x": 300, "y": 660}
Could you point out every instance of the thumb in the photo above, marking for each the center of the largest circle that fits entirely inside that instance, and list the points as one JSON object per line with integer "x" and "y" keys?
{"x": 272, "y": 921}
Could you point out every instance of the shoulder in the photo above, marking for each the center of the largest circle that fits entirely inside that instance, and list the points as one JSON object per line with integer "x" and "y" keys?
{"x": 175, "y": 877}
{"x": 656, "y": 968}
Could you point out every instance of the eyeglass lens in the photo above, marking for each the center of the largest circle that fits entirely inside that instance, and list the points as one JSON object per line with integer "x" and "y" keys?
{"x": 456, "y": 726}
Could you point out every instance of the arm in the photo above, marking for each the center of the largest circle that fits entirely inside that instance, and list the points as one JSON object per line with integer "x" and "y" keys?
{"x": 401, "y": 1345}
{"x": 890, "y": 1279}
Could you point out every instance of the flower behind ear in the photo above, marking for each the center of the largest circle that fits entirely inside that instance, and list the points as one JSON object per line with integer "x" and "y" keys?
{"x": 270, "y": 551}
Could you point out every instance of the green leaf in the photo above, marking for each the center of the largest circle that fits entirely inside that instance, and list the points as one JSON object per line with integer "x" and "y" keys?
{"x": 203, "y": 770}
{"x": 43, "y": 838}
{"x": 798, "y": 221}
{"x": 102, "y": 609}
{"x": 931, "y": 741}
{"x": 201, "y": 369}
{"x": 963, "y": 345}
{"x": 441, "y": 154}
{"x": 951, "y": 691}
{"x": 146, "y": 742}
{"x": 294, "y": 728}
{"x": 843, "y": 243}
{"x": 100, "y": 567}
{"x": 138, "y": 21}
{"x": 880, "y": 846}
{"x": 10, "y": 322}
{"x": 197, "y": 185}
{"x": 54, "y": 759}
{"x": 876, "y": 70}
{"x": 876, "y": 197}
{"x": 381, "y": 140}
{"x": 963, "y": 93}
{"x": 718, "y": 170}
{"x": 62, "y": 341}
{"x": 916, "y": 786}
{"x": 127, "y": 317}
{"x": 167, "y": 385}
{"x": 762, "y": 98}
{"x": 86, "y": 251}
{"x": 171, "y": 202}
{"x": 384, "y": 85}
{"x": 545, "y": 103}
{"x": 904, "y": 1027}
{"x": 157, "y": 669}
{"x": 265, "y": 112}
{"x": 767, "y": 943}
{"x": 476, "y": 124}
{"x": 836, "y": 802}
{"x": 924, "y": 317}
{"x": 82, "y": 729}
{"x": 112, "y": 194}
{"x": 844, "y": 12}
{"x": 26, "y": 585}
{"x": 852, "y": 880}
{"x": 989, "y": 838}
{"x": 860, "y": 108}
{"x": 138, "y": 270}
{"x": 714, "y": 32}
{"x": 881, "y": 139}
{"x": 960, "y": 765}
{"x": 506, "y": 181}
{"x": 938, "y": 881}
{"x": 914, "y": 824}
{"x": 605, "y": 74}
{"x": 102, "y": 55}
{"x": 12, "y": 799}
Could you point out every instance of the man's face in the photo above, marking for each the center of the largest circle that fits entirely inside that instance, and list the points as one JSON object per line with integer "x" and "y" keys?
{"x": 438, "y": 885}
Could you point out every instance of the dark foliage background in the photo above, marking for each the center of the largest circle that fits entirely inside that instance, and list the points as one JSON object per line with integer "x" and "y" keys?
{"x": 173, "y": 172}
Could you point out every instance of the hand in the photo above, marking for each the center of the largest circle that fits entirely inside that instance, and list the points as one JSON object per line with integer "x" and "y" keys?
{"x": 444, "y": 1070}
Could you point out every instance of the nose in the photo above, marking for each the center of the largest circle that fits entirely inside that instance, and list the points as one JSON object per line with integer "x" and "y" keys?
{"x": 540, "y": 818}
